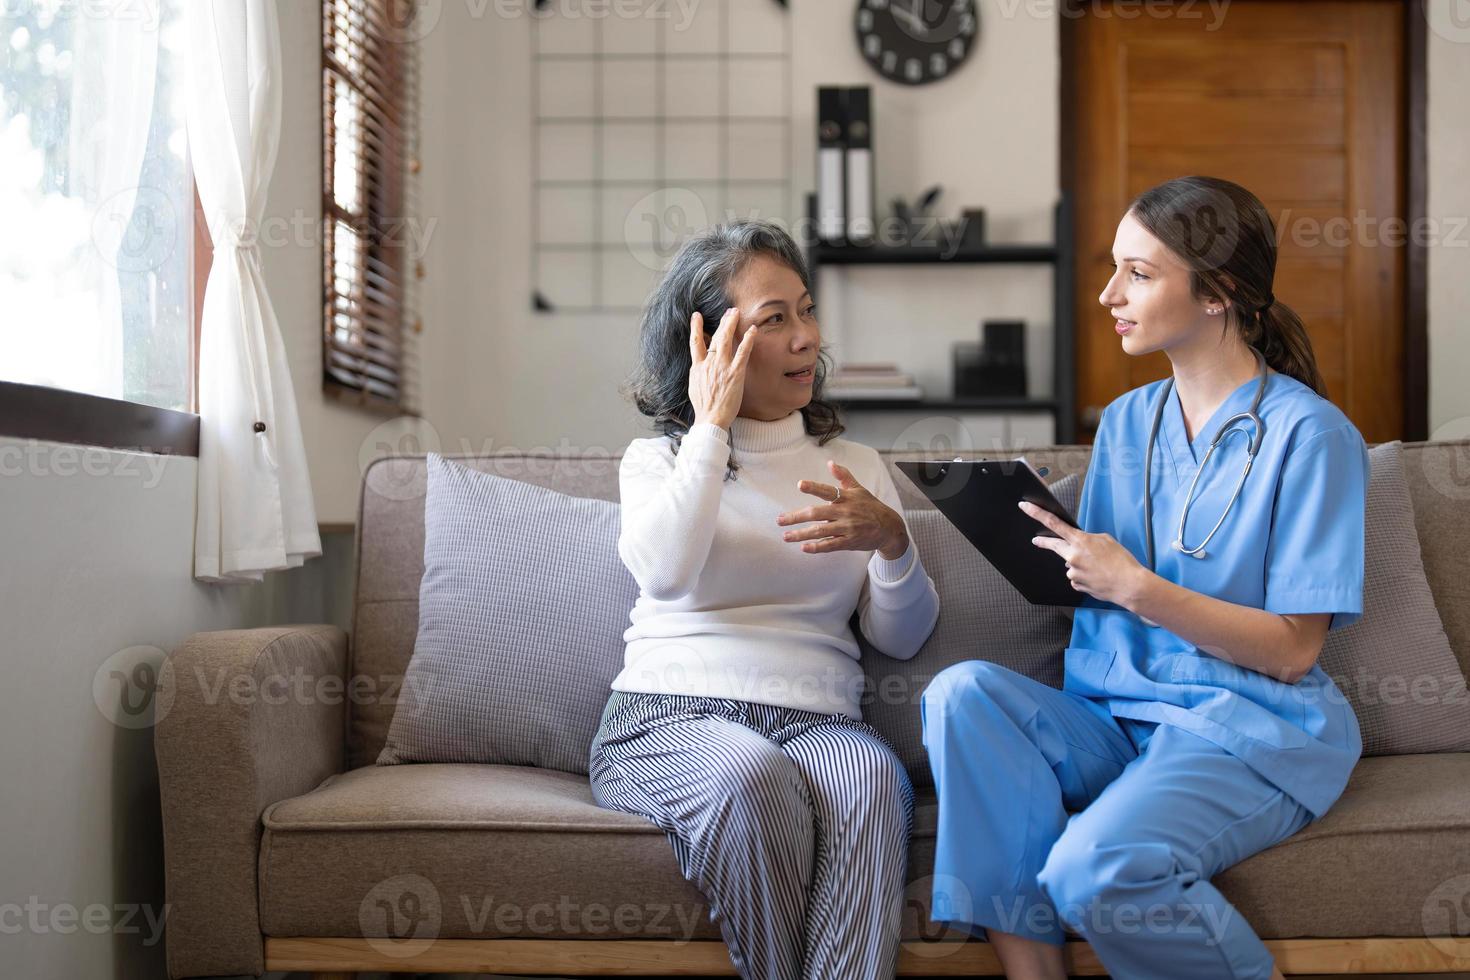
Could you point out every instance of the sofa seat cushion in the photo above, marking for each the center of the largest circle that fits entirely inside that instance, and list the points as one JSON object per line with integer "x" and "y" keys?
{"x": 1391, "y": 858}
{"x": 489, "y": 852}
{"x": 469, "y": 851}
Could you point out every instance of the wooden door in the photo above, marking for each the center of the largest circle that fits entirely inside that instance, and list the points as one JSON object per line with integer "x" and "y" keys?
{"x": 1300, "y": 101}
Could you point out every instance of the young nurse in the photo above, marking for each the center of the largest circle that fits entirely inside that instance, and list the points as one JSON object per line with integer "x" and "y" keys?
{"x": 1194, "y": 727}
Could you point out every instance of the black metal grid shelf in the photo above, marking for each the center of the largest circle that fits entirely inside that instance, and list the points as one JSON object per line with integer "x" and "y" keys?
{"x": 946, "y": 404}
{"x": 834, "y": 253}
{"x": 1062, "y": 405}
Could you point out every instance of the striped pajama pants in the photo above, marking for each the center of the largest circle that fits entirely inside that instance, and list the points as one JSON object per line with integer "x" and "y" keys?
{"x": 794, "y": 825}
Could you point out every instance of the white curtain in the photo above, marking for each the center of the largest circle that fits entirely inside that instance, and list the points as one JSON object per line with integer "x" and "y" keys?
{"x": 255, "y": 507}
{"x": 115, "y": 68}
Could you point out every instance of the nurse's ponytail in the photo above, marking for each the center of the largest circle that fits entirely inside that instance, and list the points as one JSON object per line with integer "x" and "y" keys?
{"x": 1224, "y": 235}
{"x": 1279, "y": 334}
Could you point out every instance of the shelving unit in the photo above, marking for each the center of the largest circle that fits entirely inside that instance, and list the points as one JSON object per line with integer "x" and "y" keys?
{"x": 1062, "y": 404}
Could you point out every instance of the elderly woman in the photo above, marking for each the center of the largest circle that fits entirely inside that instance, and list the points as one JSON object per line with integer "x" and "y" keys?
{"x": 735, "y": 724}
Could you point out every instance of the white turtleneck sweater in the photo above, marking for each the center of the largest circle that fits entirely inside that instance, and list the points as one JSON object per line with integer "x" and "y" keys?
{"x": 726, "y": 607}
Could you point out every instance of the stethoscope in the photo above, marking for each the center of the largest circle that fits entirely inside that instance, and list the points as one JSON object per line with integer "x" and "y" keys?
{"x": 1224, "y": 430}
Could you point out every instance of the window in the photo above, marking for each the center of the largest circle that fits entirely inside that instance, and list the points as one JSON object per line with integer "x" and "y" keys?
{"x": 95, "y": 189}
{"x": 369, "y": 87}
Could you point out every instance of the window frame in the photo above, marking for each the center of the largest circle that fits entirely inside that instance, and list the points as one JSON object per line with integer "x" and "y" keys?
{"x": 41, "y": 413}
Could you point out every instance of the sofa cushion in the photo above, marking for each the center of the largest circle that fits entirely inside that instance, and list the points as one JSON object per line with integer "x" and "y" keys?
{"x": 981, "y": 616}
{"x": 1395, "y": 665}
{"x": 521, "y": 614}
{"x": 486, "y": 852}
{"x": 390, "y": 566}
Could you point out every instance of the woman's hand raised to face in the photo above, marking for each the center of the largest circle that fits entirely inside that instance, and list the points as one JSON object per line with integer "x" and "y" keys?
{"x": 855, "y": 521}
{"x": 717, "y": 375}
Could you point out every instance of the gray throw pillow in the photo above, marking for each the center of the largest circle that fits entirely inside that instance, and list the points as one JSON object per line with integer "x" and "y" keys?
{"x": 1395, "y": 664}
{"x": 981, "y": 617}
{"x": 522, "y": 609}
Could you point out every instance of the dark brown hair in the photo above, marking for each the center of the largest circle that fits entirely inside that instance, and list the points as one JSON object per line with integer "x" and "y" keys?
{"x": 699, "y": 278}
{"x": 1223, "y": 234}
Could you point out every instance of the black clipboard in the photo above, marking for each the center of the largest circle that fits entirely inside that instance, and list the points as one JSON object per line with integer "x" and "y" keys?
{"x": 979, "y": 497}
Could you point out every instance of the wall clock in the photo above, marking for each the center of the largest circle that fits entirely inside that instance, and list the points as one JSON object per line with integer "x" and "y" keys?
{"x": 916, "y": 41}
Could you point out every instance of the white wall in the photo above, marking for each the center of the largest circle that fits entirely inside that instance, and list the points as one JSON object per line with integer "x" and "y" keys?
{"x": 98, "y": 552}
{"x": 500, "y": 375}
{"x": 519, "y": 378}
{"x": 1449, "y": 202}
{"x": 96, "y": 556}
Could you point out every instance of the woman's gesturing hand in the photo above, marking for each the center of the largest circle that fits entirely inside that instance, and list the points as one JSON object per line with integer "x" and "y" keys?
{"x": 855, "y": 520}
{"x": 1096, "y": 563}
{"x": 717, "y": 375}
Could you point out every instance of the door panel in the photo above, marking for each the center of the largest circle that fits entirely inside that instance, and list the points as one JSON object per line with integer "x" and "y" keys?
{"x": 1301, "y": 102}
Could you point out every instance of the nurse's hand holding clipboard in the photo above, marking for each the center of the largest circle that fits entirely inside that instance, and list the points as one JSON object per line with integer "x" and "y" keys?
{"x": 1096, "y": 563}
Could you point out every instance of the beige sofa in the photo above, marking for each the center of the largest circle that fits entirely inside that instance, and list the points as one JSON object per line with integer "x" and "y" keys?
{"x": 287, "y": 849}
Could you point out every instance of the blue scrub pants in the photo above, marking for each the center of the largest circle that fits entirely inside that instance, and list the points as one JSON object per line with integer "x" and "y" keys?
{"x": 1161, "y": 811}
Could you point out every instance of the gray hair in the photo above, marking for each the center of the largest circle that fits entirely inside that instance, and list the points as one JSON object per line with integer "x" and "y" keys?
{"x": 698, "y": 278}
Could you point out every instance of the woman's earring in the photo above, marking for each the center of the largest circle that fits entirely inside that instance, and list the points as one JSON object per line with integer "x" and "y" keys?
{"x": 1212, "y": 310}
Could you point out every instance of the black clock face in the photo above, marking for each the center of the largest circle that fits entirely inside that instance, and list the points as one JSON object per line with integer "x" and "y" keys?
{"x": 916, "y": 41}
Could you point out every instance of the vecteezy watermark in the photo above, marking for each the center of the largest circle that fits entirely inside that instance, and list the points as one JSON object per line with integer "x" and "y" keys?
{"x": 126, "y": 687}
{"x": 394, "y": 446}
{"x": 415, "y": 20}
{"x": 1371, "y": 231}
{"x": 1450, "y": 19}
{"x": 137, "y": 687}
{"x": 679, "y": 13}
{"x": 48, "y": 460}
{"x": 390, "y": 458}
{"x": 1447, "y": 468}
{"x": 37, "y": 917}
{"x": 1211, "y": 11}
{"x": 936, "y": 434}
{"x": 1445, "y": 917}
{"x": 936, "y": 903}
{"x": 566, "y": 917}
{"x": 137, "y": 229}
{"x": 1098, "y": 917}
{"x": 930, "y": 21}
{"x": 658, "y": 224}
{"x": 146, "y": 13}
{"x": 403, "y": 915}
{"x": 302, "y": 229}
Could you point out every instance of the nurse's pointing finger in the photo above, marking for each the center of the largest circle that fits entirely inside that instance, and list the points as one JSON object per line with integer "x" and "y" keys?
{"x": 1050, "y": 520}
{"x": 1054, "y": 544}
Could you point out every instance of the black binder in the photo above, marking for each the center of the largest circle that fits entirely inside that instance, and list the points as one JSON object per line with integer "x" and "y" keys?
{"x": 858, "y": 172}
{"x": 831, "y": 163}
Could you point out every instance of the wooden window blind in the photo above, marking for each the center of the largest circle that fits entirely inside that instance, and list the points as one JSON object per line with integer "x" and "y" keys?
{"x": 369, "y": 157}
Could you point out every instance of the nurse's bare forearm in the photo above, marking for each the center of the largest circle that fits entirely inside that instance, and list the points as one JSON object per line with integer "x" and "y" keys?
{"x": 1262, "y": 641}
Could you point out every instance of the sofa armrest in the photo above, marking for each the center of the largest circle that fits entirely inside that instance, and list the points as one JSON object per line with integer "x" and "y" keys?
{"x": 245, "y": 718}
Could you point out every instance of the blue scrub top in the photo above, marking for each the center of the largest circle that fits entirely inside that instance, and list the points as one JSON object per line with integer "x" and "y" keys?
{"x": 1292, "y": 543}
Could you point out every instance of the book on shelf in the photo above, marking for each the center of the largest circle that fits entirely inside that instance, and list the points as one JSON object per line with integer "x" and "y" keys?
{"x": 870, "y": 393}
{"x": 874, "y": 381}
